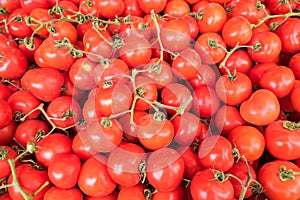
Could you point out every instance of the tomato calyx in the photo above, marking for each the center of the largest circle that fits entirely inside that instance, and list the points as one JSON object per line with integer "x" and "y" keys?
{"x": 156, "y": 68}
{"x": 256, "y": 46}
{"x": 106, "y": 122}
{"x": 159, "y": 116}
{"x": 142, "y": 170}
{"x": 286, "y": 175}
{"x": 232, "y": 76}
{"x": 220, "y": 176}
{"x": 3, "y": 11}
{"x": 3, "y": 153}
{"x": 68, "y": 114}
{"x": 291, "y": 125}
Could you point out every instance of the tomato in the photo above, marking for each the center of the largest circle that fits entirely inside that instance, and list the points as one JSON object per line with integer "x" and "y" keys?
{"x": 112, "y": 100}
{"x": 193, "y": 26}
{"x": 206, "y": 76}
{"x": 5, "y": 196}
{"x": 135, "y": 52}
{"x": 187, "y": 128}
{"x": 13, "y": 63}
{"x": 227, "y": 118}
{"x": 205, "y": 185}
{"x": 176, "y": 194}
{"x": 278, "y": 180}
{"x": 44, "y": 83}
{"x": 111, "y": 196}
{"x": 165, "y": 169}
{"x": 249, "y": 141}
{"x": 175, "y": 35}
{"x": 41, "y": 15}
{"x": 88, "y": 7}
{"x": 207, "y": 46}
{"x": 288, "y": 33}
{"x": 191, "y": 161}
{"x": 68, "y": 194}
{"x": 51, "y": 146}
{"x": 216, "y": 152}
{"x": 65, "y": 111}
{"x": 132, "y": 193}
{"x": 265, "y": 47}
{"x": 29, "y": 53}
{"x": 234, "y": 89}
{"x": 212, "y": 18}
{"x": 241, "y": 171}
{"x": 240, "y": 34}
{"x": 124, "y": 162}
{"x": 295, "y": 94}
{"x": 239, "y": 60}
{"x": 132, "y": 8}
{"x": 281, "y": 135}
{"x": 7, "y": 133}
{"x": 5, "y": 92}
{"x": 95, "y": 169}
{"x": 110, "y": 8}
{"x": 177, "y": 8}
{"x": 164, "y": 77}
{"x": 10, "y": 6}
{"x": 205, "y": 101}
{"x": 277, "y": 7}
{"x": 5, "y": 113}
{"x": 6, "y": 154}
{"x": 263, "y": 113}
{"x": 278, "y": 79}
{"x": 258, "y": 70}
{"x": 63, "y": 170}
{"x": 294, "y": 65}
{"x": 17, "y": 26}
{"x": 64, "y": 29}
{"x": 22, "y": 102}
{"x": 30, "y": 130}
{"x": 68, "y": 8}
{"x": 30, "y": 179}
{"x": 29, "y": 5}
{"x": 154, "y": 133}
{"x": 156, "y": 5}
{"x": 187, "y": 65}
{"x": 135, "y": 27}
{"x": 107, "y": 132}
{"x": 176, "y": 94}
{"x": 80, "y": 149}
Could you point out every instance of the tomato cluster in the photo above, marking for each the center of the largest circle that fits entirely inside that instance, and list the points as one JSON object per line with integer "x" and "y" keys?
{"x": 149, "y": 99}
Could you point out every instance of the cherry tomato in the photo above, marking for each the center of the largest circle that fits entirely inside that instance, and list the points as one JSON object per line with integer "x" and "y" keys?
{"x": 29, "y": 5}
{"x": 68, "y": 194}
{"x": 277, "y": 7}
{"x": 7, "y": 133}
{"x": 110, "y": 8}
{"x": 177, "y": 8}
{"x": 239, "y": 60}
{"x": 132, "y": 193}
{"x": 80, "y": 149}
{"x": 176, "y": 194}
{"x": 5, "y": 113}
{"x": 294, "y": 65}
{"x": 191, "y": 161}
{"x": 6, "y": 154}
{"x": 156, "y": 5}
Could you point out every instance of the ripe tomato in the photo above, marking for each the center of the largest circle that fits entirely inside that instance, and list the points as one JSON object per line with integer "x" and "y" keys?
{"x": 95, "y": 169}
{"x": 277, "y": 7}
{"x": 239, "y": 60}
{"x": 80, "y": 149}
{"x": 265, "y": 47}
{"x": 263, "y": 113}
{"x": 5, "y": 92}
{"x": 205, "y": 101}
{"x": 295, "y": 94}
{"x": 177, "y": 8}
{"x": 123, "y": 164}
{"x": 5, "y": 113}
{"x": 191, "y": 161}
{"x": 10, "y": 6}
{"x": 67, "y": 194}
{"x": 193, "y": 26}
{"x": 64, "y": 29}
{"x": 175, "y": 35}
{"x": 110, "y": 8}
{"x": 7, "y": 133}
{"x": 294, "y": 65}
{"x": 234, "y": 90}
{"x": 44, "y": 83}
{"x": 258, "y": 70}
{"x": 63, "y": 170}
{"x": 207, "y": 46}
{"x": 111, "y": 196}
{"x": 155, "y": 133}
{"x": 212, "y": 18}
{"x": 165, "y": 169}
{"x": 17, "y": 26}
{"x": 156, "y": 5}
{"x": 6, "y": 153}
{"x": 249, "y": 141}
{"x": 227, "y": 118}
{"x": 240, "y": 34}
{"x": 132, "y": 193}
{"x": 29, "y": 5}
{"x": 13, "y": 63}
{"x": 30, "y": 179}
{"x": 41, "y": 15}
{"x": 51, "y": 146}
{"x": 132, "y": 8}
{"x": 108, "y": 133}
{"x": 176, "y": 194}
{"x": 216, "y": 152}
{"x": 278, "y": 180}
{"x": 206, "y": 76}
{"x": 205, "y": 186}
{"x": 282, "y": 136}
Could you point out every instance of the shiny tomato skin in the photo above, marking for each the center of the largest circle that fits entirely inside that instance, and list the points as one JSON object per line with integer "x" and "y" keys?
{"x": 7, "y": 153}
{"x": 55, "y": 193}
{"x": 7, "y": 133}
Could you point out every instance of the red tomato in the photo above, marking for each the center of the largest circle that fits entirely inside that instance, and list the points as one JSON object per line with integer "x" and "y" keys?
{"x": 216, "y": 152}
{"x": 206, "y": 76}
{"x": 110, "y": 8}
{"x": 249, "y": 141}
{"x": 277, "y": 7}
{"x": 5, "y": 92}
{"x": 234, "y": 89}
{"x": 95, "y": 169}
{"x": 176, "y": 194}
{"x": 156, "y": 5}
{"x": 44, "y": 83}
{"x": 51, "y": 146}
{"x": 265, "y": 47}
{"x": 212, "y": 18}
{"x": 193, "y": 25}
{"x": 64, "y": 29}
{"x": 80, "y": 149}
{"x": 258, "y": 70}
{"x": 132, "y": 193}
{"x": 295, "y": 94}
{"x": 165, "y": 169}
{"x": 240, "y": 34}
{"x": 62, "y": 176}
{"x": 191, "y": 161}
{"x": 41, "y": 15}
{"x": 132, "y": 8}
{"x": 239, "y": 60}
{"x": 294, "y": 65}
{"x": 283, "y": 136}
{"x": 55, "y": 193}
{"x": 6, "y": 154}
{"x": 7, "y": 133}
{"x": 124, "y": 162}
{"x": 30, "y": 179}
{"x": 111, "y": 196}
{"x": 5, "y": 113}
{"x": 29, "y": 5}
{"x": 177, "y": 8}
{"x": 10, "y": 6}
{"x": 17, "y": 26}
{"x": 205, "y": 186}
{"x": 263, "y": 113}
{"x": 278, "y": 180}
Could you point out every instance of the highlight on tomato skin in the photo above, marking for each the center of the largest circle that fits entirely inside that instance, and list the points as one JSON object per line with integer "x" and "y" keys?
{"x": 149, "y": 99}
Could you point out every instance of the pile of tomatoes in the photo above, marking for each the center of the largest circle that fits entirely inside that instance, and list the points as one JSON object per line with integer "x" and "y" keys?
{"x": 149, "y": 99}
